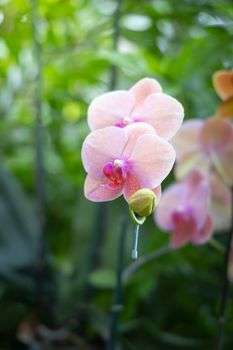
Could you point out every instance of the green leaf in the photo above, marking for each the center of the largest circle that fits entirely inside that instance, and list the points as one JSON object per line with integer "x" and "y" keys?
{"x": 103, "y": 278}
{"x": 18, "y": 229}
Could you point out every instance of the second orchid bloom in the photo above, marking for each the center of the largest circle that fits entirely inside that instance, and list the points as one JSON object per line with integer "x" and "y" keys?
{"x": 200, "y": 204}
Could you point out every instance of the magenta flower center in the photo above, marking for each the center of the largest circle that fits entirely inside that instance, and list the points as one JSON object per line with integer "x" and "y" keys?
{"x": 116, "y": 173}
{"x": 124, "y": 122}
{"x": 183, "y": 219}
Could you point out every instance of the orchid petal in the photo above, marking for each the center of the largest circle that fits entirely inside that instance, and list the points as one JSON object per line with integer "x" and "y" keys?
{"x": 223, "y": 163}
{"x": 158, "y": 192}
{"x": 192, "y": 160}
{"x": 199, "y": 196}
{"x": 216, "y": 134}
{"x": 110, "y": 108}
{"x": 179, "y": 238}
{"x": 173, "y": 198}
{"x": 132, "y": 185}
{"x": 203, "y": 235}
{"x": 163, "y": 112}
{"x": 187, "y": 138}
{"x": 143, "y": 88}
{"x": 220, "y": 203}
{"x": 94, "y": 191}
{"x": 134, "y": 131}
{"x": 151, "y": 159}
{"x": 102, "y": 146}
{"x": 217, "y": 142}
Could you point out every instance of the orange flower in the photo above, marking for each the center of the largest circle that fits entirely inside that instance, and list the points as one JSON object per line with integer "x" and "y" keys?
{"x": 225, "y": 109}
{"x": 223, "y": 84}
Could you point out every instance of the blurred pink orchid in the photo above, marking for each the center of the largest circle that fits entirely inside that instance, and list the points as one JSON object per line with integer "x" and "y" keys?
{"x": 144, "y": 102}
{"x": 206, "y": 145}
{"x": 221, "y": 203}
{"x": 123, "y": 160}
{"x": 184, "y": 211}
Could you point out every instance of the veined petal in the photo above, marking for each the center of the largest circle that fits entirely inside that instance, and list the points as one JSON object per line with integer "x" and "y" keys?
{"x": 95, "y": 192}
{"x": 132, "y": 185}
{"x": 143, "y": 88}
{"x": 158, "y": 192}
{"x": 163, "y": 112}
{"x": 110, "y": 108}
{"x": 100, "y": 147}
{"x": 151, "y": 159}
{"x": 133, "y": 132}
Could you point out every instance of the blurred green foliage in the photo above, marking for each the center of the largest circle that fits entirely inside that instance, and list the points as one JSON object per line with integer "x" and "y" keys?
{"x": 170, "y": 303}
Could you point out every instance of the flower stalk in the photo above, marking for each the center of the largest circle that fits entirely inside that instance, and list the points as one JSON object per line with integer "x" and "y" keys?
{"x": 135, "y": 243}
{"x": 225, "y": 288}
{"x": 117, "y": 298}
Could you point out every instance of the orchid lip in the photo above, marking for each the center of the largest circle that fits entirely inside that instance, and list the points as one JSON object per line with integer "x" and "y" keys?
{"x": 124, "y": 122}
{"x": 116, "y": 173}
{"x": 183, "y": 215}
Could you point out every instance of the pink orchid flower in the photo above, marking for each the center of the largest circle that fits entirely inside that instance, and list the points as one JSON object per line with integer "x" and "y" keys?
{"x": 221, "y": 203}
{"x": 206, "y": 145}
{"x": 120, "y": 161}
{"x": 184, "y": 211}
{"x": 144, "y": 102}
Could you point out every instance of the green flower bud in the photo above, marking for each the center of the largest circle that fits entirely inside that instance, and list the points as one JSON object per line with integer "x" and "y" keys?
{"x": 143, "y": 202}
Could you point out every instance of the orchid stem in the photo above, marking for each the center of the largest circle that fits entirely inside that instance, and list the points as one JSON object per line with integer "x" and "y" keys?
{"x": 143, "y": 260}
{"x": 135, "y": 243}
{"x": 117, "y": 301}
{"x": 225, "y": 288}
{"x": 216, "y": 245}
